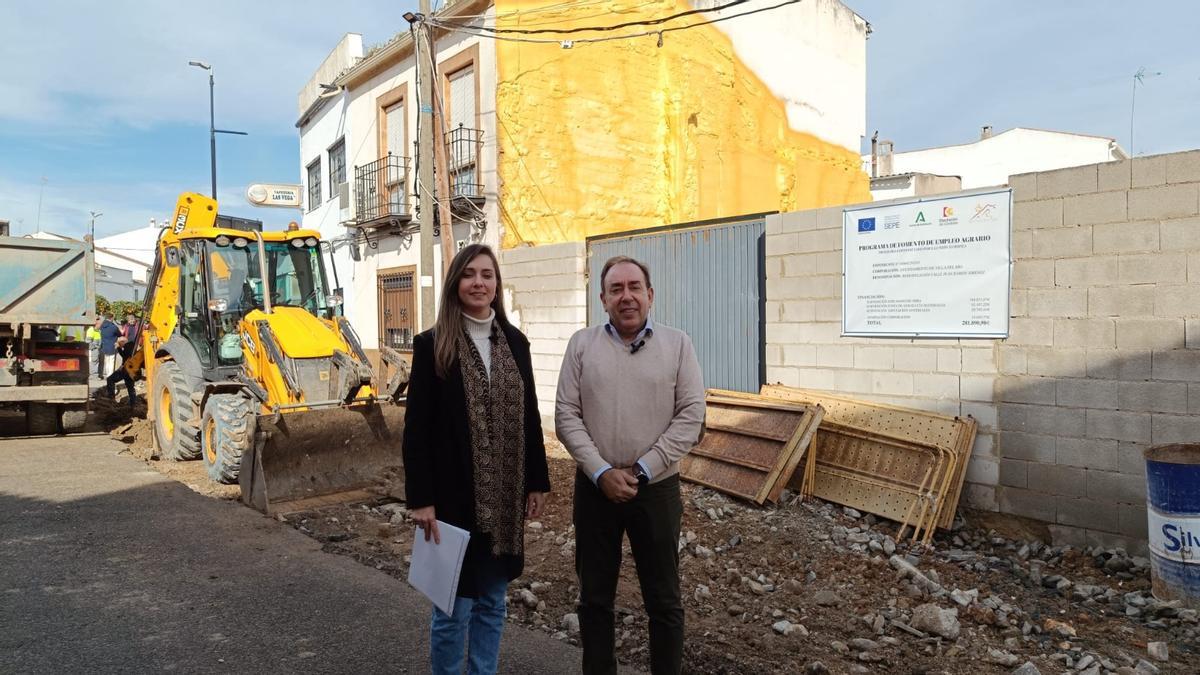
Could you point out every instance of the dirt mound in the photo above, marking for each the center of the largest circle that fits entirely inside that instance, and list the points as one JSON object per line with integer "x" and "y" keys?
{"x": 137, "y": 433}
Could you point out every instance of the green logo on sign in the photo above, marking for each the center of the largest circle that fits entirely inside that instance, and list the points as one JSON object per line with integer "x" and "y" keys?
{"x": 920, "y": 217}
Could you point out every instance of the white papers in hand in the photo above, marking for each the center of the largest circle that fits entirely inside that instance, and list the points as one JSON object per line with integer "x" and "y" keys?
{"x": 435, "y": 568}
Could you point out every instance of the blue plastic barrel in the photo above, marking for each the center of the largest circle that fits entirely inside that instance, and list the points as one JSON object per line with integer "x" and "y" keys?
{"x": 1173, "y": 510}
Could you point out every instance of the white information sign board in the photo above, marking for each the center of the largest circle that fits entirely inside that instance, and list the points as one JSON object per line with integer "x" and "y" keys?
{"x": 928, "y": 268}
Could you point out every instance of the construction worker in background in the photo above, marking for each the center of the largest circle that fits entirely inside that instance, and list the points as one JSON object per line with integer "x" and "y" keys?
{"x": 125, "y": 345}
{"x": 93, "y": 340}
{"x": 109, "y": 333}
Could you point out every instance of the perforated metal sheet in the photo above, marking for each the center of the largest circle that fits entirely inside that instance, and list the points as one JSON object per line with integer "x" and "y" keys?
{"x": 752, "y": 445}
{"x": 899, "y": 463}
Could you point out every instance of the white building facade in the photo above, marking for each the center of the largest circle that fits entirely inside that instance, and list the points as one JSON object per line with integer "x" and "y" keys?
{"x": 993, "y": 158}
{"x": 359, "y": 122}
{"x": 359, "y": 175}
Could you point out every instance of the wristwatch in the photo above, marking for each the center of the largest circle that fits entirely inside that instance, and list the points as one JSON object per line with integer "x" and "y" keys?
{"x": 642, "y": 477}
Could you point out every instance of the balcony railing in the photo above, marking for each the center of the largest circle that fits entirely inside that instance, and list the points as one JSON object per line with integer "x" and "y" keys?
{"x": 381, "y": 192}
{"x": 463, "y": 147}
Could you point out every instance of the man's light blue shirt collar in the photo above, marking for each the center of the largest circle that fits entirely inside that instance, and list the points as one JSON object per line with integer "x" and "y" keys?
{"x": 646, "y": 331}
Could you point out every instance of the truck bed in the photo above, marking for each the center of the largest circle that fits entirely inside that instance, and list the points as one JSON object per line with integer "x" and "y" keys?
{"x": 46, "y": 282}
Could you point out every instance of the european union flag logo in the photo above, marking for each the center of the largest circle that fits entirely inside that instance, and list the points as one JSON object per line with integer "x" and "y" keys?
{"x": 866, "y": 224}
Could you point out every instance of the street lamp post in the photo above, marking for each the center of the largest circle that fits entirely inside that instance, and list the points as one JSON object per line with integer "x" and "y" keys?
{"x": 92, "y": 227}
{"x": 212, "y": 125}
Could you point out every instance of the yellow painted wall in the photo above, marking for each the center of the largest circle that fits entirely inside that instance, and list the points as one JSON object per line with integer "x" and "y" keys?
{"x": 624, "y": 135}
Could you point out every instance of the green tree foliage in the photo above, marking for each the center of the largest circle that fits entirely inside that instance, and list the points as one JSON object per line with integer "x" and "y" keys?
{"x": 119, "y": 308}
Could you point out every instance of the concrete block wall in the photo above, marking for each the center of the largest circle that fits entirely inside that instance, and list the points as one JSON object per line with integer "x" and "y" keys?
{"x": 1104, "y": 356}
{"x": 546, "y": 295}
{"x": 1102, "y": 361}
{"x": 805, "y": 347}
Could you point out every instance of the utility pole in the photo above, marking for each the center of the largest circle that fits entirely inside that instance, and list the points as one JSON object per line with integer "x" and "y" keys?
{"x": 442, "y": 169}
{"x": 425, "y": 137}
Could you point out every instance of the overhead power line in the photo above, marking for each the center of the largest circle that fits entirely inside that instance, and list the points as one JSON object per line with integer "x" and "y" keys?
{"x": 566, "y": 44}
{"x": 532, "y": 11}
{"x": 591, "y": 29}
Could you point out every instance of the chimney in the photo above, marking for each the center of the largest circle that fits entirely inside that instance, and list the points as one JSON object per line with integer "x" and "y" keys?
{"x": 986, "y": 132}
{"x": 885, "y": 158}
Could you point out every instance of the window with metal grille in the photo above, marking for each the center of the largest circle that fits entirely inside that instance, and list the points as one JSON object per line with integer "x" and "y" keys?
{"x": 397, "y": 304}
{"x": 396, "y": 283}
{"x": 337, "y": 166}
{"x": 462, "y": 152}
{"x": 314, "y": 184}
{"x": 396, "y": 180}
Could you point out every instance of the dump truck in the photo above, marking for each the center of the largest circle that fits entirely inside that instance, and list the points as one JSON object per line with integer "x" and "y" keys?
{"x": 47, "y": 301}
{"x": 251, "y": 366}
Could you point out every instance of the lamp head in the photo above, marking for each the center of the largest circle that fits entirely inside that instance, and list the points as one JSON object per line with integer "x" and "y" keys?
{"x": 200, "y": 64}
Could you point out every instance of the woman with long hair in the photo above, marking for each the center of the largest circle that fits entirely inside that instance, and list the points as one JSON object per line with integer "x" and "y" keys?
{"x": 473, "y": 452}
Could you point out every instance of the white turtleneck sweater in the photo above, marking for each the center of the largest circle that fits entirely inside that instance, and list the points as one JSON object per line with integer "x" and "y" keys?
{"x": 480, "y": 331}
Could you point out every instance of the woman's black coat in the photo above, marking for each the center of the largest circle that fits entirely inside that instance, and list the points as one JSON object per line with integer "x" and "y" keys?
{"x": 438, "y": 462}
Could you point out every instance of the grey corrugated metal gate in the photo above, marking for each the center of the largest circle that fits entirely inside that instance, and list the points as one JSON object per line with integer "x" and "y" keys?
{"x": 708, "y": 281}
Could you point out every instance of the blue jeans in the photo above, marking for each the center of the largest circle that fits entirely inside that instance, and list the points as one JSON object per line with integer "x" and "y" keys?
{"x": 479, "y": 620}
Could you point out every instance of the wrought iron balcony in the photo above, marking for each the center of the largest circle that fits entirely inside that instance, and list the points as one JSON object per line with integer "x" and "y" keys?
{"x": 381, "y": 193}
{"x": 463, "y": 147}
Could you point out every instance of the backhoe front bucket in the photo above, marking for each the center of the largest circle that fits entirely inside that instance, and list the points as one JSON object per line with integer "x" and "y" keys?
{"x": 326, "y": 453}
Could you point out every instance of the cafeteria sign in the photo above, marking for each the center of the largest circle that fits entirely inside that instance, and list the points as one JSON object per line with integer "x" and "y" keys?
{"x": 283, "y": 196}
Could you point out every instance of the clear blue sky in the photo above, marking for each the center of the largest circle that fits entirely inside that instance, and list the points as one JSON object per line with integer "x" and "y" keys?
{"x": 98, "y": 98}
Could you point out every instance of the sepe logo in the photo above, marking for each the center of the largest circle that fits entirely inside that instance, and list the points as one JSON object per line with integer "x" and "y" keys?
{"x": 984, "y": 213}
{"x": 866, "y": 224}
{"x": 180, "y": 220}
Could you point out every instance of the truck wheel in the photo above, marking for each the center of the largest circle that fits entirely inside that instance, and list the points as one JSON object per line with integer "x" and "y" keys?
{"x": 72, "y": 419}
{"x": 226, "y": 431}
{"x": 177, "y": 436}
{"x": 41, "y": 419}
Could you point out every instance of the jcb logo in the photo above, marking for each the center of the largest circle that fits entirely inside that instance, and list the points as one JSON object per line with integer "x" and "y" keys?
{"x": 180, "y": 220}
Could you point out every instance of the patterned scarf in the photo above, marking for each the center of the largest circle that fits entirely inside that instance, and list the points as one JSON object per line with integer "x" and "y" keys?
{"x": 496, "y": 415}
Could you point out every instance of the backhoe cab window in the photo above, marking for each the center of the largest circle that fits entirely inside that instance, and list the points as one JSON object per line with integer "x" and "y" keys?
{"x": 296, "y": 277}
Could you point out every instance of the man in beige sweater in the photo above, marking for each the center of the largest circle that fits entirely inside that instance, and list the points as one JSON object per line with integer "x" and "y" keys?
{"x": 630, "y": 404}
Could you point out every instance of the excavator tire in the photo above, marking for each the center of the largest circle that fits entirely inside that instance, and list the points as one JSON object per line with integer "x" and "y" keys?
{"x": 178, "y": 438}
{"x": 226, "y": 431}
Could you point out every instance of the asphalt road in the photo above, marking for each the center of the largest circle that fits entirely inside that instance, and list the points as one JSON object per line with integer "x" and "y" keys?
{"x": 107, "y": 566}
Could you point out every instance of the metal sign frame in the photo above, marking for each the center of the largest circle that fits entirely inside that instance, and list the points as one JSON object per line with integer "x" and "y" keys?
{"x": 848, "y": 218}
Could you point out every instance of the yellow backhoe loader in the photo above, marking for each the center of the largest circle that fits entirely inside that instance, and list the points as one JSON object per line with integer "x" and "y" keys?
{"x": 250, "y": 365}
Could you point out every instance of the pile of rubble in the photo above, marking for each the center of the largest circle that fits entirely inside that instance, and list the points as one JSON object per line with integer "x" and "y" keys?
{"x": 810, "y": 587}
